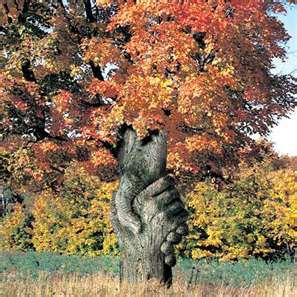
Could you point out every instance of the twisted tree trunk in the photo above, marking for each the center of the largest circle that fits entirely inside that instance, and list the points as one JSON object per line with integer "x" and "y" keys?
{"x": 147, "y": 214}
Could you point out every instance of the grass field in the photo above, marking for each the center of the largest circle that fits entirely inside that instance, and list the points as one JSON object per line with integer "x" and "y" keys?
{"x": 101, "y": 285}
{"x": 45, "y": 275}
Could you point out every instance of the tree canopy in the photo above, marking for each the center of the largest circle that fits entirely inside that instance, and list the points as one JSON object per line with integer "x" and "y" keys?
{"x": 75, "y": 73}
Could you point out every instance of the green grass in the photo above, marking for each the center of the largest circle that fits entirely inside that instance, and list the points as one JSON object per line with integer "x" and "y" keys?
{"x": 31, "y": 263}
{"x": 247, "y": 273}
{"x": 242, "y": 273}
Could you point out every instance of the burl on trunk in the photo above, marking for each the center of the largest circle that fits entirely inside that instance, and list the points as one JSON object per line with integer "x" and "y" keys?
{"x": 147, "y": 213}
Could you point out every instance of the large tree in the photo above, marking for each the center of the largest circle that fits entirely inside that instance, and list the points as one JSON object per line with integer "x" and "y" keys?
{"x": 119, "y": 82}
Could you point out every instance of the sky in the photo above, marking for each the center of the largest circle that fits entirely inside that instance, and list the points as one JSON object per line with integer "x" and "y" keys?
{"x": 284, "y": 136}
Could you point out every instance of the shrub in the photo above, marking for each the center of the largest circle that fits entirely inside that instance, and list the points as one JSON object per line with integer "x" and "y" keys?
{"x": 256, "y": 215}
{"x": 76, "y": 220}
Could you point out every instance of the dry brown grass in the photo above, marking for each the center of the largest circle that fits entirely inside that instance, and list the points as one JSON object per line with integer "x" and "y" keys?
{"x": 100, "y": 285}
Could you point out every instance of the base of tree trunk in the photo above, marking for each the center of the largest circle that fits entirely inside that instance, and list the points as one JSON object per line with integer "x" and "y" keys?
{"x": 142, "y": 266}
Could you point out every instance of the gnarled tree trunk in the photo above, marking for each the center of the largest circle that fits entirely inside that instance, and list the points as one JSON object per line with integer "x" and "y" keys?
{"x": 147, "y": 214}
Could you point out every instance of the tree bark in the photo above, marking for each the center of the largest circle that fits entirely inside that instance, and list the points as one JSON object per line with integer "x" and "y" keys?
{"x": 147, "y": 213}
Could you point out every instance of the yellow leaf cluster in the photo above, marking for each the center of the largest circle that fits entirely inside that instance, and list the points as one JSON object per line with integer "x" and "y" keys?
{"x": 76, "y": 220}
{"x": 256, "y": 215}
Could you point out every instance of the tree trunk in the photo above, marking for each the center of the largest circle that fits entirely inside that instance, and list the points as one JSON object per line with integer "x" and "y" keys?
{"x": 147, "y": 214}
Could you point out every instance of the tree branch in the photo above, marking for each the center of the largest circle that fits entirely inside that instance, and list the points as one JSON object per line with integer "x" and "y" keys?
{"x": 27, "y": 71}
{"x": 88, "y": 8}
{"x": 42, "y": 134}
{"x": 23, "y": 16}
{"x": 97, "y": 72}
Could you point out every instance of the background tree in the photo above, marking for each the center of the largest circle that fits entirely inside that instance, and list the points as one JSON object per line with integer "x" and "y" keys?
{"x": 96, "y": 82}
{"x": 255, "y": 215}
{"x": 75, "y": 221}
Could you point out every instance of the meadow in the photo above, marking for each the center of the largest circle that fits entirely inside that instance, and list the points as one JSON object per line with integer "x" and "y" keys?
{"x": 45, "y": 274}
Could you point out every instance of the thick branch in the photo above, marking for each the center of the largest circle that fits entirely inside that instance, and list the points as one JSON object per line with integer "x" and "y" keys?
{"x": 97, "y": 72}
{"x": 88, "y": 8}
{"x": 27, "y": 71}
{"x": 23, "y": 16}
{"x": 42, "y": 134}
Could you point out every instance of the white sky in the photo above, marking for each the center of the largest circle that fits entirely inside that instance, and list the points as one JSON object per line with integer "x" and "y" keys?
{"x": 284, "y": 136}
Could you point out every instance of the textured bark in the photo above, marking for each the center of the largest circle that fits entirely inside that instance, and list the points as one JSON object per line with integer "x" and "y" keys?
{"x": 147, "y": 214}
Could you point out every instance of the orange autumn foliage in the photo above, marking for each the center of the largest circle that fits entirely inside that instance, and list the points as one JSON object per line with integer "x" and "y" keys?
{"x": 75, "y": 73}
